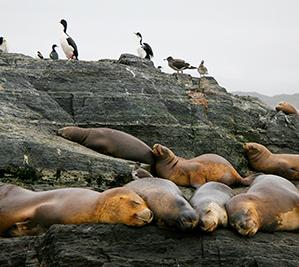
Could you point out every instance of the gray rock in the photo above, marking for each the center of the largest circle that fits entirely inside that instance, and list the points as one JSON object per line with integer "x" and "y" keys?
{"x": 38, "y": 97}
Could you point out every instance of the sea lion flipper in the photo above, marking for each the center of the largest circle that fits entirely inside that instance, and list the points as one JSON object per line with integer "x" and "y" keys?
{"x": 27, "y": 227}
{"x": 250, "y": 178}
{"x": 138, "y": 172}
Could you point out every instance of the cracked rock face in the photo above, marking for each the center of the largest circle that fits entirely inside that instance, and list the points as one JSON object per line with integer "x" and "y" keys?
{"x": 191, "y": 116}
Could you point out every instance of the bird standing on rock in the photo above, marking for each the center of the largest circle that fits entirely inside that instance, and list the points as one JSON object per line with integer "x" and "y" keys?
{"x": 144, "y": 50}
{"x": 3, "y": 45}
{"x": 178, "y": 64}
{"x": 68, "y": 45}
{"x": 202, "y": 69}
{"x": 40, "y": 55}
{"x": 54, "y": 55}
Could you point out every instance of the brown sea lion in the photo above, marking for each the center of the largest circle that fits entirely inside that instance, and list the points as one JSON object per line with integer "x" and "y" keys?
{"x": 109, "y": 142}
{"x": 166, "y": 201}
{"x": 271, "y": 204}
{"x": 68, "y": 206}
{"x": 261, "y": 159}
{"x": 209, "y": 203}
{"x": 286, "y": 108}
{"x": 196, "y": 171}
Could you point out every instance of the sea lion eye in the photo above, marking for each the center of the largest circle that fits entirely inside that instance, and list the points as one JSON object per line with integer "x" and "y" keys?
{"x": 135, "y": 202}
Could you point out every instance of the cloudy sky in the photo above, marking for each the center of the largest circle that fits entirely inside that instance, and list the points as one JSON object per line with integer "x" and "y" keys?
{"x": 248, "y": 45}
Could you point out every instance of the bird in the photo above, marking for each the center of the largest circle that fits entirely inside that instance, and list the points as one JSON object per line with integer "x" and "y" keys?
{"x": 3, "y": 45}
{"x": 178, "y": 64}
{"x": 202, "y": 69}
{"x": 68, "y": 45}
{"x": 144, "y": 50}
{"x": 39, "y": 54}
{"x": 53, "y": 55}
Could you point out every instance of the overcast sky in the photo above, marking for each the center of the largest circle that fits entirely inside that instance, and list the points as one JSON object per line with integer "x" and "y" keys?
{"x": 247, "y": 45}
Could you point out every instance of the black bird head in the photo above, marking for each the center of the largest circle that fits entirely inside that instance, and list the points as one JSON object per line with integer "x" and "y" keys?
{"x": 169, "y": 58}
{"x": 53, "y": 46}
{"x": 64, "y": 24}
{"x": 1, "y": 40}
{"x": 138, "y": 34}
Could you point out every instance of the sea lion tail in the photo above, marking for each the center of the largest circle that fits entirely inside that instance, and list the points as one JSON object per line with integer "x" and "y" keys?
{"x": 249, "y": 179}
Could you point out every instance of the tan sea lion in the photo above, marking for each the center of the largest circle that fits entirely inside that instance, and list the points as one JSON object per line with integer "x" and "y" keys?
{"x": 109, "y": 142}
{"x": 271, "y": 204}
{"x": 209, "y": 203}
{"x": 286, "y": 108}
{"x": 166, "y": 201}
{"x": 261, "y": 159}
{"x": 196, "y": 171}
{"x": 68, "y": 206}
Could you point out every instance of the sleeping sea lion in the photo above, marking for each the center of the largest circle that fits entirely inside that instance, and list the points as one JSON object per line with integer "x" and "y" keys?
{"x": 166, "y": 202}
{"x": 196, "y": 171}
{"x": 109, "y": 142}
{"x": 286, "y": 108}
{"x": 24, "y": 211}
{"x": 209, "y": 203}
{"x": 271, "y": 204}
{"x": 261, "y": 159}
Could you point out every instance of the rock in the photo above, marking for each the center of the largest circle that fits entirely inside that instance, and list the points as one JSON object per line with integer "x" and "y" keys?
{"x": 118, "y": 245}
{"x": 189, "y": 115}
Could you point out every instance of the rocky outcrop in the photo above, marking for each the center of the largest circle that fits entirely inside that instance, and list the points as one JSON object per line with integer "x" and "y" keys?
{"x": 118, "y": 245}
{"x": 190, "y": 115}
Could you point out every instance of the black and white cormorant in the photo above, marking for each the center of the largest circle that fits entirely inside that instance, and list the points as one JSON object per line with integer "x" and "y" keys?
{"x": 144, "y": 50}
{"x": 202, "y": 69}
{"x": 178, "y": 64}
{"x": 53, "y": 55}
{"x": 3, "y": 45}
{"x": 40, "y": 55}
{"x": 68, "y": 45}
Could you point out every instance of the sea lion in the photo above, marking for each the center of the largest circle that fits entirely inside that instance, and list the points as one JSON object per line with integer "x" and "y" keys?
{"x": 286, "y": 108}
{"x": 209, "y": 203}
{"x": 109, "y": 142}
{"x": 166, "y": 202}
{"x": 196, "y": 171}
{"x": 261, "y": 159}
{"x": 271, "y": 204}
{"x": 68, "y": 206}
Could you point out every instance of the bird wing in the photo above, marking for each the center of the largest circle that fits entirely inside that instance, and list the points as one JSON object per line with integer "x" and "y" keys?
{"x": 179, "y": 63}
{"x": 148, "y": 49}
{"x": 72, "y": 43}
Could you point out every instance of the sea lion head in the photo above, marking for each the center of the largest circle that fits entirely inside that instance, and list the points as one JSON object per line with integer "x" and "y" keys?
{"x": 254, "y": 149}
{"x": 243, "y": 215}
{"x": 186, "y": 219}
{"x": 73, "y": 133}
{"x": 210, "y": 216}
{"x": 126, "y": 207}
{"x": 162, "y": 152}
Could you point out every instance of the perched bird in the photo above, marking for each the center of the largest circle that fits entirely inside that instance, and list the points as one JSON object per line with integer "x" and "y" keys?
{"x": 39, "y": 54}
{"x": 159, "y": 68}
{"x": 144, "y": 50}
{"x": 3, "y": 45}
{"x": 53, "y": 55}
{"x": 178, "y": 64}
{"x": 202, "y": 69}
{"x": 68, "y": 45}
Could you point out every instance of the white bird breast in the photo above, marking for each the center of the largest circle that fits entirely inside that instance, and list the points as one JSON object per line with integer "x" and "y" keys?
{"x": 67, "y": 49}
{"x": 141, "y": 53}
{"x": 4, "y": 46}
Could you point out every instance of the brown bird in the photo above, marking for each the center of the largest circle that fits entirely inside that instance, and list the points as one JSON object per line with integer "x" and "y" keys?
{"x": 178, "y": 64}
{"x": 202, "y": 69}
